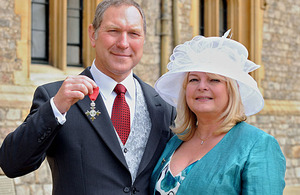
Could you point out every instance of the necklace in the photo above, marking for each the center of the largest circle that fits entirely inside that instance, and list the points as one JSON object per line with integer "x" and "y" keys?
{"x": 203, "y": 140}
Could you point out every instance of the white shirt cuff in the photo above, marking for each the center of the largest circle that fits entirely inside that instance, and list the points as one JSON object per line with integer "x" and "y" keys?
{"x": 61, "y": 118}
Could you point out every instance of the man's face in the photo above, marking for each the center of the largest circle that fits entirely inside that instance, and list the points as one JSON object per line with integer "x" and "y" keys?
{"x": 119, "y": 43}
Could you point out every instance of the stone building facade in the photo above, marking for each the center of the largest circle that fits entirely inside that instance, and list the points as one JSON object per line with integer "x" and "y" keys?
{"x": 280, "y": 56}
{"x": 276, "y": 46}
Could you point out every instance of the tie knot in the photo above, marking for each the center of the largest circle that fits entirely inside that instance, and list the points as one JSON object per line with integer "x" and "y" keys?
{"x": 120, "y": 89}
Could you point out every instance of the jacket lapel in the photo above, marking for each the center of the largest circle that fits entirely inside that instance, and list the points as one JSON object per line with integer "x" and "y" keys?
{"x": 102, "y": 124}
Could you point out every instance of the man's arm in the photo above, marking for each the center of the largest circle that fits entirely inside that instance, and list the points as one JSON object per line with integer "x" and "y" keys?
{"x": 25, "y": 149}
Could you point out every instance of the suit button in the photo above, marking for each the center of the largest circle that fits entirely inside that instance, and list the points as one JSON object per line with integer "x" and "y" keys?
{"x": 125, "y": 150}
{"x": 126, "y": 189}
{"x": 134, "y": 190}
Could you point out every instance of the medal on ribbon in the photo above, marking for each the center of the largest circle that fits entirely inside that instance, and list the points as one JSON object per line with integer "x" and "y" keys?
{"x": 93, "y": 113}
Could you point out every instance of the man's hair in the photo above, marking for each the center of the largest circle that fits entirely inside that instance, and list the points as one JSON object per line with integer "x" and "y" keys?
{"x": 186, "y": 121}
{"x": 105, "y": 4}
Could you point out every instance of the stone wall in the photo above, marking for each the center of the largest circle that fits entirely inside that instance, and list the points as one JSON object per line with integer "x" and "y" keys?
{"x": 281, "y": 46}
{"x": 148, "y": 68}
{"x": 281, "y": 60}
{"x": 9, "y": 33}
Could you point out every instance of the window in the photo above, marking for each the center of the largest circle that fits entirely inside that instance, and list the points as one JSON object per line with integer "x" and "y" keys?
{"x": 201, "y": 17}
{"x": 222, "y": 17}
{"x": 213, "y": 17}
{"x": 57, "y": 35}
{"x": 39, "y": 31}
{"x": 74, "y": 33}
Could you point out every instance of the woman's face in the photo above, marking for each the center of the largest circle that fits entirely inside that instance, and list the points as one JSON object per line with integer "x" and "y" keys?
{"x": 206, "y": 94}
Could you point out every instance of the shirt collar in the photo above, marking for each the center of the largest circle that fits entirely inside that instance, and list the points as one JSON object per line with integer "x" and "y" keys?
{"x": 107, "y": 89}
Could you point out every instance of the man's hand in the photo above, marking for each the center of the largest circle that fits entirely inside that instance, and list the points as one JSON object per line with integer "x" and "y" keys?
{"x": 74, "y": 88}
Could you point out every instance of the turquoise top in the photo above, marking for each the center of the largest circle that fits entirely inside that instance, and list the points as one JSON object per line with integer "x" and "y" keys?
{"x": 246, "y": 161}
{"x": 167, "y": 182}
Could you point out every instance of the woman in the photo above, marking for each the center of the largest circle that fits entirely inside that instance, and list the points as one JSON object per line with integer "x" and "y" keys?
{"x": 214, "y": 151}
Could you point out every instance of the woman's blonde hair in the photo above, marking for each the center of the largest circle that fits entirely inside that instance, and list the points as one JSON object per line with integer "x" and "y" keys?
{"x": 186, "y": 121}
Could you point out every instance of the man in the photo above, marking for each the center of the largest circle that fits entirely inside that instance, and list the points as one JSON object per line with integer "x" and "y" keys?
{"x": 71, "y": 126}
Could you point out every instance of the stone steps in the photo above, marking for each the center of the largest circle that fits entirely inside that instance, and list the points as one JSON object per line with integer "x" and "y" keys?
{"x": 21, "y": 95}
{"x": 13, "y": 96}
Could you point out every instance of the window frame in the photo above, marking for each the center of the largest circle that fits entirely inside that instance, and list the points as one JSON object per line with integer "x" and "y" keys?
{"x": 79, "y": 45}
{"x": 45, "y": 60}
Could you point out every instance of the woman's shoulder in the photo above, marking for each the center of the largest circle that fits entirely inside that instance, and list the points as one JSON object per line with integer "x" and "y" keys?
{"x": 248, "y": 129}
{"x": 250, "y": 133}
{"x": 245, "y": 139}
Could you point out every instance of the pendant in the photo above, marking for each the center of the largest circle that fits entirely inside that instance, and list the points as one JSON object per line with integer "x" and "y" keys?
{"x": 93, "y": 113}
{"x": 202, "y": 142}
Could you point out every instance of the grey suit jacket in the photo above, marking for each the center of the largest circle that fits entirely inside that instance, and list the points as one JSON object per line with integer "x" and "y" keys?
{"x": 84, "y": 156}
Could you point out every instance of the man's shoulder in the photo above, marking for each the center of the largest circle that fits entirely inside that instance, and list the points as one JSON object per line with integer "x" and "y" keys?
{"x": 150, "y": 92}
{"x": 147, "y": 89}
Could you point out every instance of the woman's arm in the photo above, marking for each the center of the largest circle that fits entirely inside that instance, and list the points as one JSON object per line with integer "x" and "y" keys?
{"x": 264, "y": 171}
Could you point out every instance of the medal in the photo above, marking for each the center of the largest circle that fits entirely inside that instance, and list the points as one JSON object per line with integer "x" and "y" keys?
{"x": 93, "y": 113}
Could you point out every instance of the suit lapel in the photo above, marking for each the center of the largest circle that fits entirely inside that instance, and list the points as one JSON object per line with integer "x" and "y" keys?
{"x": 102, "y": 124}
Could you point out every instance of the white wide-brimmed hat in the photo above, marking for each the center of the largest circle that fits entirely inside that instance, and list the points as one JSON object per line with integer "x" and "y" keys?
{"x": 218, "y": 55}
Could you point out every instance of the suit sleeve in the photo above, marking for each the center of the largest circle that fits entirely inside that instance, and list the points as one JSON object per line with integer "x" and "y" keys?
{"x": 264, "y": 171}
{"x": 24, "y": 149}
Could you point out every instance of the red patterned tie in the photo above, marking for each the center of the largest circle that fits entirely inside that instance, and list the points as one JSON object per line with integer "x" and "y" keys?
{"x": 120, "y": 115}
